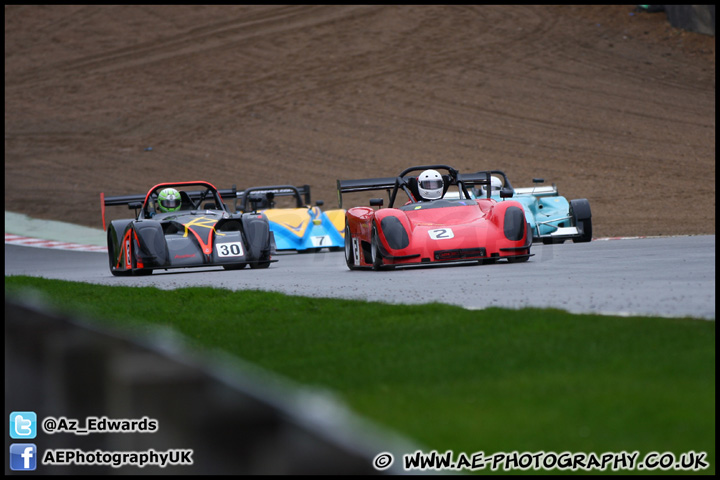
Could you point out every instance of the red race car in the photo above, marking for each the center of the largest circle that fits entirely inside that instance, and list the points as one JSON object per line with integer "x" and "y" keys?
{"x": 442, "y": 221}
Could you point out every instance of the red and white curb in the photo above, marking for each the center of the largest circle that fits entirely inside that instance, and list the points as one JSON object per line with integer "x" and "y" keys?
{"x": 617, "y": 238}
{"x": 40, "y": 243}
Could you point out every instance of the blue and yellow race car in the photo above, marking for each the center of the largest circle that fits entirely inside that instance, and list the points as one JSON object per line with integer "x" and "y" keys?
{"x": 296, "y": 224}
{"x": 551, "y": 216}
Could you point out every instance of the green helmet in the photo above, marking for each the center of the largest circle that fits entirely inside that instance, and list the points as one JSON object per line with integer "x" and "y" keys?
{"x": 169, "y": 200}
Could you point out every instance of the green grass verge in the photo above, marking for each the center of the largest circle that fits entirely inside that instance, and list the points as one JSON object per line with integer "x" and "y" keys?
{"x": 452, "y": 379}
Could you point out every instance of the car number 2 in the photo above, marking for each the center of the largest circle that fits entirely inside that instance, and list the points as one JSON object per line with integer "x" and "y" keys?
{"x": 441, "y": 233}
{"x": 234, "y": 249}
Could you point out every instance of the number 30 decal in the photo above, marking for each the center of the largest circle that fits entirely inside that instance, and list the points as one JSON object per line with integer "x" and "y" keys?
{"x": 441, "y": 233}
{"x": 229, "y": 249}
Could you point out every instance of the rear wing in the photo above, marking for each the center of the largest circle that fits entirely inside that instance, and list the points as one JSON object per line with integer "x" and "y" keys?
{"x": 364, "y": 185}
{"x": 483, "y": 179}
{"x": 544, "y": 191}
{"x": 539, "y": 190}
{"x": 464, "y": 180}
{"x": 301, "y": 193}
{"x": 135, "y": 200}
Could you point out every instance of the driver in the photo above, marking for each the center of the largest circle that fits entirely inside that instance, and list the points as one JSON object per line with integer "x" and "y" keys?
{"x": 430, "y": 185}
{"x": 495, "y": 186}
{"x": 169, "y": 200}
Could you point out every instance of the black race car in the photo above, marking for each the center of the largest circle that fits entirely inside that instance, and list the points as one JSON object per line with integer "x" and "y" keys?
{"x": 185, "y": 224}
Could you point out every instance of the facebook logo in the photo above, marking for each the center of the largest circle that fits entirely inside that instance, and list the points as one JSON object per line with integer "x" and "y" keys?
{"x": 23, "y": 456}
{"x": 23, "y": 425}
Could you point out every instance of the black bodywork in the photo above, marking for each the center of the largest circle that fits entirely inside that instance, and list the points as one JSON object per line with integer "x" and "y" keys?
{"x": 202, "y": 233}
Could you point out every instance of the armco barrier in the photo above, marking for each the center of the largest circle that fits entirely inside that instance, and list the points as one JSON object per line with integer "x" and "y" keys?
{"x": 233, "y": 422}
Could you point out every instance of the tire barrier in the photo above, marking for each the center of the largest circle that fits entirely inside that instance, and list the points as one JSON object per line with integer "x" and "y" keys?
{"x": 235, "y": 418}
{"x": 694, "y": 18}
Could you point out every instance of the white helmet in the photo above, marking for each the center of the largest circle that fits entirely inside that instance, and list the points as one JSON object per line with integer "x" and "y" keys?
{"x": 430, "y": 185}
{"x": 495, "y": 186}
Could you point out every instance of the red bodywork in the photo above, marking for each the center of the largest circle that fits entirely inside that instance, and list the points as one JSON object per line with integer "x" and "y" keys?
{"x": 483, "y": 230}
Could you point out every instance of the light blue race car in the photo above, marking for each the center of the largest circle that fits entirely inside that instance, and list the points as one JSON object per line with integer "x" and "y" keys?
{"x": 296, "y": 225}
{"x": 551, "y": 216}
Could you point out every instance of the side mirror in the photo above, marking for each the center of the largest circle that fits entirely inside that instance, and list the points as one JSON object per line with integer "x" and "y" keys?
{"x": 376, "y": 202}
{"x": 254, "y": 201}
{"x": 506, "y": 192}
{"x": 137, "y": 206}
{"x": 538, "y": 180}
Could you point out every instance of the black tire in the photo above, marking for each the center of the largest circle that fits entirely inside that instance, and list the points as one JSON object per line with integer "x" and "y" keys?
{"x": 138, "y": 272}
{"x": 518, "y": 259}
{"x": 111, "y": 259}
{"x": 263, "y": 263}
{"x": 525, "y": 258}
{"x": 349, "y": 257}
{"x": 235, "y": 266}
{"x": 582, "y": 218}
{"x": 120, "y": 273}
{"x": 117, "y": 273}
{"x": 377, "y": 258}
{"x": 586, "y": 226}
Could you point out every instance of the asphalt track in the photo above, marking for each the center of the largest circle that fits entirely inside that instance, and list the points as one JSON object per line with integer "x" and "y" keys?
{"x": 661, "y": 276}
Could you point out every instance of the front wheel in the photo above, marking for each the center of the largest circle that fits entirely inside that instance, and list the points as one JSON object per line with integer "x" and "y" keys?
{"x": 138, "y": 272}
{"x": 523, "y": 258}
{"x": 377, "y": 257}
{"x": 349, "y": 253}
{"x": 112, "y": 260}
{"x": 263, "y": 263}
{"x": 235, "y": 266}
{"x": 582, "y": 217}
{"x": 586, "y": 227}
{"x": 518, "y": 259}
